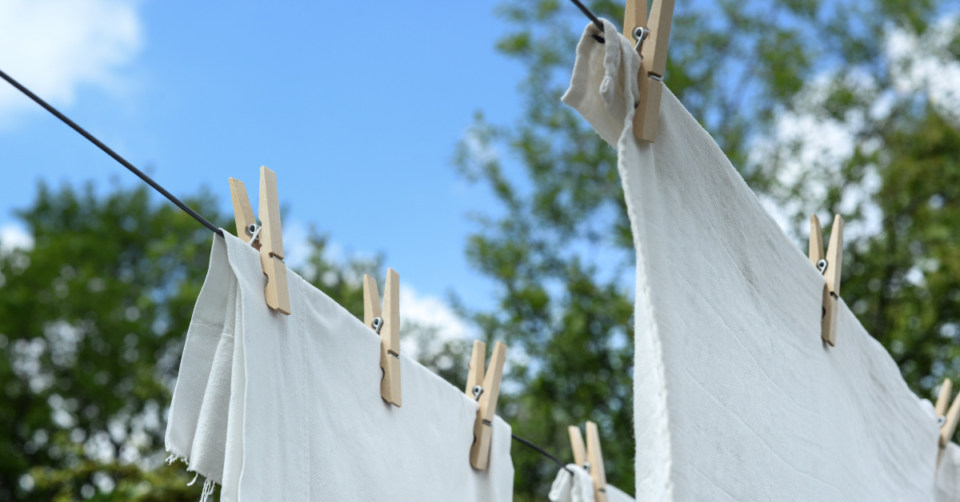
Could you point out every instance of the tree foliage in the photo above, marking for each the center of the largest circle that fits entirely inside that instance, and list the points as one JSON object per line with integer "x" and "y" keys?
{"x": 92, "y": 320}
{"x": 92, "y": 323}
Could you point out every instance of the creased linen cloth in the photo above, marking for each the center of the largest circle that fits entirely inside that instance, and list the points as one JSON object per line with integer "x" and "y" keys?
{"x": 736, "y": 397}
{"x": 574, "y": 484}
{"x": 277, "y": 407}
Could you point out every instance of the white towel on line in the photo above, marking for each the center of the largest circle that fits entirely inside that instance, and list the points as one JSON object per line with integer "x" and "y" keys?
{"x": 278, "y": 407}
{"x": 574, "y": 484}
{"x": 736, "y": 397}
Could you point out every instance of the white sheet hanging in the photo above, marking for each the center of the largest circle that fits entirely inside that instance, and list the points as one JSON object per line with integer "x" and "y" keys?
{"x": 736, "y": 396}
{"x": 278, "y": 407}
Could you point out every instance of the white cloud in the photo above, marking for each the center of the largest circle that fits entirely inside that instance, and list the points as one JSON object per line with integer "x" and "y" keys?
{"x": 807, "y": 149}
{"x": 296, "y": 244}
{"x": 426, "y": 311}
{"x": 810, "y": 146}
{"x": 13, "y": 237}
{"x": 923, "y": 63}
{"x": 54, "y": 46}
{"x": 417, "y": 310}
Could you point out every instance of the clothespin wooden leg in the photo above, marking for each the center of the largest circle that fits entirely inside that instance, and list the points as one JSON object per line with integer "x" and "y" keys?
{"x": 943, "y": 399}
{"x": 576, "y": 443}
{"x": 242, "y": 211}
{"x": 390, "y": 341}
{"x": 830, "y": 266}
{"x": 953, "y": 415}
{"x": 816, "y": 241}
{"x": 483, "y": 426}
{"x": 478, "y": 359}
{"x": 387, "y": 325}
{"x": 831, "y": 292}
{"x": 371, "y": 303}
{"x": 271, "y": 244}
{"x": 277, "y": 291}
{"x": 595, "y": 457}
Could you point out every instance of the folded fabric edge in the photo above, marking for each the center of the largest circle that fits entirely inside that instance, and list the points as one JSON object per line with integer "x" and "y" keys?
{"x": 178, "y": 437}
{"x": 580, "y": 80}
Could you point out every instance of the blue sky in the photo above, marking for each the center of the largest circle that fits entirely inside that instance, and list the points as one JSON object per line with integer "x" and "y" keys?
{"x": 357, "y": 110}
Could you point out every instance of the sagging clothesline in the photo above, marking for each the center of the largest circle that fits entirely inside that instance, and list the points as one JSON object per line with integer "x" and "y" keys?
{"x": 156, "y": 186}
{"x": 593, "y": 18}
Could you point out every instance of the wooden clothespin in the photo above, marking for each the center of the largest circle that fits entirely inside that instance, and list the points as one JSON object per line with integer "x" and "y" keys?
{"x": 654, "y": 39}
{"x": 576, "y": 443}
{"x": 387, "y": 326}
{"x": 485, "y": 389}
{"x": 949, "y": 417}
{"x": 590, "y": 458}
{"x": 830, "y": 267}
{"x": 269, "y": 236}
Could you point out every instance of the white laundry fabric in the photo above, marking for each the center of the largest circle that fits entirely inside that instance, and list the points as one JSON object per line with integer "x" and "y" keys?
{"x": 574, "y": 484}
{"x": 278, "y": 407}
{"x": 948, "y": 475}
{"x": 615, "y": 495}
{"x": 736, "y": 397}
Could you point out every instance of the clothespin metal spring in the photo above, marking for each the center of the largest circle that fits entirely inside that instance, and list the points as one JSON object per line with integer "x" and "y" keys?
{"x": 640, "y": 34}
{"x": 253, "y": 230}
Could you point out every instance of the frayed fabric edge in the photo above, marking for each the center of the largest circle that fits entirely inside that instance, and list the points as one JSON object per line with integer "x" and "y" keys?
{"x": 208, "y": 484}
{"x": 174, "y": 457}
{"x": 208, "y": 487}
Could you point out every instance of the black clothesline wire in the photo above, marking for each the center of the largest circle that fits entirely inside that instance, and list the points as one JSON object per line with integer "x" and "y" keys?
{"x": 177, "y": 201}
{"x": 540, "y": 451}
{"x": 593, "y": 17}
{"x": 111, "y": 153}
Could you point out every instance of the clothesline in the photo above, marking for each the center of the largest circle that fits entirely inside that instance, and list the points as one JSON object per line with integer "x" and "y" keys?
{"x": 111, "y": 153}
{"x": 156, "y": 186}
{"x": 593, "y": 17}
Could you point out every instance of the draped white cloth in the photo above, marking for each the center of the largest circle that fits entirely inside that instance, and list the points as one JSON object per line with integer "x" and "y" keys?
{"x": 736, "y": 396}
{"x": 948, "y": 475}
{"x": 277, "y": 407}
{"x": 574, "y": 484}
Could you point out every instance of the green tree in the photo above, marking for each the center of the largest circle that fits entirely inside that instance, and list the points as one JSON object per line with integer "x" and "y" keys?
{"x": 92, "y": 324}
{"x": 92, "y": 320}
{"x": 820, "y": 112}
